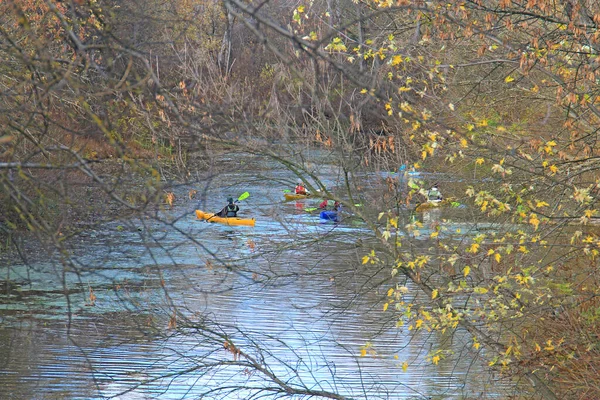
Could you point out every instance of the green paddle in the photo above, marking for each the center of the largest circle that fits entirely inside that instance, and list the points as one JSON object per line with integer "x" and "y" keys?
{"x": 310, "y": 209}
{"x": 286, "y": 190}
{"x": 243, "y": 196}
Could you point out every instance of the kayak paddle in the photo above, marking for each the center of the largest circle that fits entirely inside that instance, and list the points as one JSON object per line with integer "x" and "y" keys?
{"x": 243, "y": 196}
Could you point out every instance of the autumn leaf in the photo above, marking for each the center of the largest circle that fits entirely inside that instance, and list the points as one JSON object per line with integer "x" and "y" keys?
{"x": 533, "y": 220}
{"x": 396, "y": 60}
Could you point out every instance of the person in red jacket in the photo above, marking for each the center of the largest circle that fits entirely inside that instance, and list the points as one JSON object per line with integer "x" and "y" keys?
{"x": 300, "y": 189}
{"x": 330, "y": 205}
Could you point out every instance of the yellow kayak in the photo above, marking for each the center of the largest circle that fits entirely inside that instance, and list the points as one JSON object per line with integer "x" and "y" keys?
{"x": 225, "y": 220}
{"x": 293, "y": 196}
{"x": 432, "y": 204}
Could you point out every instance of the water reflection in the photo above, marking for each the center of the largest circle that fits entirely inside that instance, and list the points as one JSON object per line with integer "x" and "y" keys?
{"x": 290, "y": 291}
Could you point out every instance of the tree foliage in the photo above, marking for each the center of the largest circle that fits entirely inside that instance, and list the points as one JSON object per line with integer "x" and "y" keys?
{"x": 502, "y": 94}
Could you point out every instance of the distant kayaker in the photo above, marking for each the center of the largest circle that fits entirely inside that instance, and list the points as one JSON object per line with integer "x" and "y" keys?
{"x": 300, "y": 189}
{"x": 434, "y": 194}
{"x": 330, "y": 205}
{"x": 230, "y": 210}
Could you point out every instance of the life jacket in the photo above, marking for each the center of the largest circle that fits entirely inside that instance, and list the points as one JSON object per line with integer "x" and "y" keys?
{"x": 231, "y": 210}
{"x": 328, "y": 204}
{"x": 300, "y": 189}
{"x": 434, "y": 194}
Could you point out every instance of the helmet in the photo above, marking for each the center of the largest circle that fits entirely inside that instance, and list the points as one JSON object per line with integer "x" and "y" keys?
{"x": 230, "y": 200}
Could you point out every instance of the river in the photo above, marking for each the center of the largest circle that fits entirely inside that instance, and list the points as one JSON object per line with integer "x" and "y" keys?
{"x": 155, "y": 304}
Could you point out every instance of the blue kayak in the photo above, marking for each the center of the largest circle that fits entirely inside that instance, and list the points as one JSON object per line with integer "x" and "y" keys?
{"x": 329, "y": 215}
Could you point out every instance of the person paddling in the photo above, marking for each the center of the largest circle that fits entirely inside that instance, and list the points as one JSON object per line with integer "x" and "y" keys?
{"x": 230, "y": 210}
{"x": 330, "y": 205}
{"x": 434, "y": 194}
{"x": 300, "y": 189}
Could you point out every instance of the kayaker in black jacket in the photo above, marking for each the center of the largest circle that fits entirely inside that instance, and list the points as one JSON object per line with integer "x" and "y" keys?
{"x": 230, "y": 210}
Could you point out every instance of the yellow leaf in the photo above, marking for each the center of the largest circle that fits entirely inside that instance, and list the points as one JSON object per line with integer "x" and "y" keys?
{"x": 533, "y": 220}
{"x": 466, "y": 270}
{"x": 363, "y": 91}
{"x": 479, "y": 161}
{"x": 538, "y": 348}
{"x": 434, "y": 294}
{"x": 385, "y": 306}
{"x": 590, "y": 213}
{"x": 301, "y": 9}
{"x": 509, "y": 79}
{"x": 474, "y": 248}
{"x": 434, "y": 234}
{"x": 404, "y": 366}
{"x": 390, "y": 292}
{"x": 365, "y": 259}
{"x": 363, "y": 352}
{"x": 463, "y": 143}
{"x": 476, "y": 345}
{"x": 435, "y": 359}
{"x": 418, "y": 323}
{"x": 498, "y": 257}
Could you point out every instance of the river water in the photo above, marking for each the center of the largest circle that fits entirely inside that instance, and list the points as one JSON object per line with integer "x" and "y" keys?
{"x": 153, "y": 302}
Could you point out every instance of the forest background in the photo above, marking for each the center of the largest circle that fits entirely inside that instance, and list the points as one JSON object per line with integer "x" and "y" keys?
{"x": 131, "y": 96}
